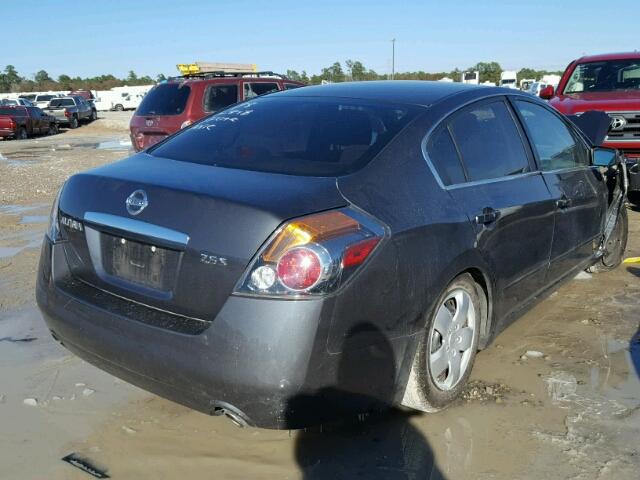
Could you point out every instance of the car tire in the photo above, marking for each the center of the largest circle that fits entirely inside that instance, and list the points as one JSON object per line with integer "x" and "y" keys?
{"x": 432, "y": 386}
{"x": 616, "y": 246}
{"x": 94, "y": 116}
{"x": 22, "y": 134}
{"x": 119, "y": 108}
{"x": 53, "y": 129}
{"x": 73, "y": 122}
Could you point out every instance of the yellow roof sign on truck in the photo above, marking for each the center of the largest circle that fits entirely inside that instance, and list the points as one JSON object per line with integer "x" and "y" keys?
{"x": 208, "y": 67}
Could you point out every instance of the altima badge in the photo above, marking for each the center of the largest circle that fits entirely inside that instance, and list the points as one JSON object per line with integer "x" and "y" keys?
{"x": 136, "y": 202}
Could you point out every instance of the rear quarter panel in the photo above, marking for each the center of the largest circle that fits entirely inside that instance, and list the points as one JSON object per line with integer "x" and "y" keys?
{"x": 430, "y": 242}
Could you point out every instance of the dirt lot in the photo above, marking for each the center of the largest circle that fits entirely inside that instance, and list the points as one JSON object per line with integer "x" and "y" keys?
{"x": 556, "y": 396}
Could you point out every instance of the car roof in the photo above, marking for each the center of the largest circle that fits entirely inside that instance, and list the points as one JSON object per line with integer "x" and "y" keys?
{"x": 414, "y": 92}
{"x": 227, "y": 79}
{"x": 609, "y": 56}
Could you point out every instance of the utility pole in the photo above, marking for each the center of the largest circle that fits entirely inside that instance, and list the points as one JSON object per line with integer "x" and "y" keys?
{"x": 393, "y": 58}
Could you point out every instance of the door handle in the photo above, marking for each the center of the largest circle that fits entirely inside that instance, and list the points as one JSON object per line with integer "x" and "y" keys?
{"x": 488, "y": 215}
{"x": 563, "y": 202}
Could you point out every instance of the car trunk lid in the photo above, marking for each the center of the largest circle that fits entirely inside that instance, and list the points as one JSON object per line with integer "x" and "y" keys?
{"x": 186, "y": 249}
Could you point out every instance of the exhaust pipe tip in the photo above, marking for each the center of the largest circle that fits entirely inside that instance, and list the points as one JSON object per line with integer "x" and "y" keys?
{"x": 233, "y": 414}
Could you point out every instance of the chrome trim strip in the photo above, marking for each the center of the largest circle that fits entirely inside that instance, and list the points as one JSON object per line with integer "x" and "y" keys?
{"x": 138, "y": 227}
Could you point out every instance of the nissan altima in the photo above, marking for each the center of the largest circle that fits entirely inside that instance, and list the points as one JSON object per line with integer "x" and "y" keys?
{"x": 328, "y": 250}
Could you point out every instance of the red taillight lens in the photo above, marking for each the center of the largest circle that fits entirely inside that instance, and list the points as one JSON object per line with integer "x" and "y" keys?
{"x": 358, "y": 253}
{"x": 299, "y": 269}
{"x": 312, "y": 255}
{"x": 66, "y": 113}
{"x": 139, "y": 140}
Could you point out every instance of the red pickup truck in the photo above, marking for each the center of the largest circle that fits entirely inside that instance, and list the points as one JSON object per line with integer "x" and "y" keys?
{"x": 609, "y": 83}
{"x": 21, "y": 122}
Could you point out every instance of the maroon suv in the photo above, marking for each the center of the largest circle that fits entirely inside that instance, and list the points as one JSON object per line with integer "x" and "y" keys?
{"x": 178, "y": 102}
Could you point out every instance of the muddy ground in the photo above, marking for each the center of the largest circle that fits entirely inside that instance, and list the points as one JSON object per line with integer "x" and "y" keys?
{"x": 571, "y": 411}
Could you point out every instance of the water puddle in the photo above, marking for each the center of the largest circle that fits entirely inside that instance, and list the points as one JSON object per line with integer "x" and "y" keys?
{"x": 7, "y": 252}
{"x": 34, "y": 219}
{"x": 110, "y": 145}
{"x": 20, "y": 209}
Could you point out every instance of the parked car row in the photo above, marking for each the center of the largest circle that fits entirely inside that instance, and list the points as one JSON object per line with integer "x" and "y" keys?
{"x": 21, "y": 122}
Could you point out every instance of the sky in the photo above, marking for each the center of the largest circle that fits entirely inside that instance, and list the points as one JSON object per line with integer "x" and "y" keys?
{"x": 88, "y": 38}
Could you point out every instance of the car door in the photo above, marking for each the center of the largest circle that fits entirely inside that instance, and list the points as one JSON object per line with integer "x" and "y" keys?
{"x": 494, "y": 181}
{"x": 577, "y": 187}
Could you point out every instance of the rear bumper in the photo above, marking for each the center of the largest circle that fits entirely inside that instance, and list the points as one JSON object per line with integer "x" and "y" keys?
{"x": 262, "y": 360}
{"x": 143, "y": 140}
{"x": 6, "y": 132}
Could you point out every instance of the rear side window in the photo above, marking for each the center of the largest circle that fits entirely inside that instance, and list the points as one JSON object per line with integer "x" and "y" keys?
{"x": 252, "y": 90}
{"x": 296, "y": 136}
{"x": 444, "y": 157}
{"x": 556, "y": 146}
{"x": 217, "y": 97}
{"x": 291, "y": 86}
{"x": 165, "y": 99}
{"x": 489, "y": 142}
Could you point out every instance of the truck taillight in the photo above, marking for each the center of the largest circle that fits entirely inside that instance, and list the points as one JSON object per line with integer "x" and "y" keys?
{"x": 12, "y": 124}
{"x": 67, "y": 113}
{"x": 312, "y": 255}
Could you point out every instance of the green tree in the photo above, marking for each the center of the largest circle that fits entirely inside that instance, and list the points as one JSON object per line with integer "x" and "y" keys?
{"x": 132, "y": 77}
{"x": 160, "y": 77}
{"x": 293, "y": 75}
{"x": 42, "y": 76}
{"x": 489, "y": 71}
{"x": 65, "y": 82}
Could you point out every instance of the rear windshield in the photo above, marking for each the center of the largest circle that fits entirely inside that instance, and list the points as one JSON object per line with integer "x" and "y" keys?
{"x": 165, "y": 99}
{"x": 62, "y": 102}
{"x": 299, "y": 136}
{"x": 42, "y": 98}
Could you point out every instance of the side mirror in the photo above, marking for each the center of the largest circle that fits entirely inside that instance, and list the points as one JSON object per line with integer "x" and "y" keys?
{"x": 604, "y": 157}
{"x": 547, "y": 92}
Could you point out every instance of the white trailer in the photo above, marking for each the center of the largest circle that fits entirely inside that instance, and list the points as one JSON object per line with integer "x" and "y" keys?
{"x": 472, "y": 78}
{"x": 121, "y": 98}
{"x": 508, "y": 79}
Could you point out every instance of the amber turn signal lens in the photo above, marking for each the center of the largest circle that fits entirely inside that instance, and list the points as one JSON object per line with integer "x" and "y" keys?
{"x": 314, "y": 228}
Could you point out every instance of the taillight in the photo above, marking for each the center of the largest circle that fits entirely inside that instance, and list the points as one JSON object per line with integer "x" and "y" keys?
{"x": 312, "y": 255}
{"x": 67, "y": 113}
{"x": 12, "y": 124}
{"x": 139, "y": 140}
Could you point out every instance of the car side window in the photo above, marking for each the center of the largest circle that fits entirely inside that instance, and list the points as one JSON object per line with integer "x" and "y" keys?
{"x": 444, "y": 157}
{"x": 489, "y": 142}
{"x": 291, "y": 86}
{"x": 218, "y": 97}
{"x": 557, "y": 147}
{"x": 252, "y": 90}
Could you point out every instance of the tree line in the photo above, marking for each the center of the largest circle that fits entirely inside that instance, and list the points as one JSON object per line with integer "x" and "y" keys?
{"x": 12, "y": 81}
{"x": 356, "y": 71}
{"x": 352, "y": 70}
